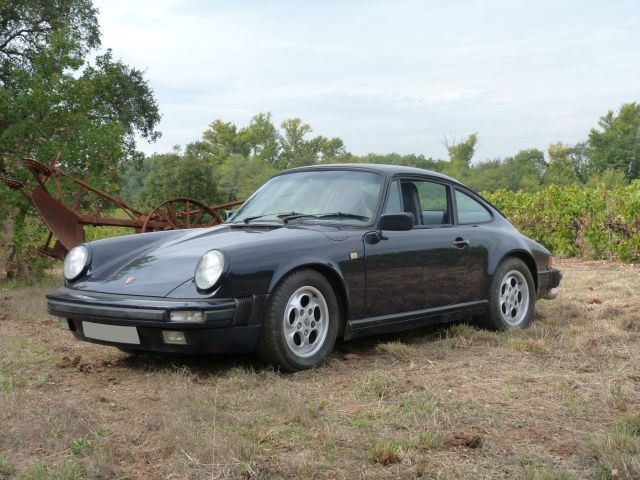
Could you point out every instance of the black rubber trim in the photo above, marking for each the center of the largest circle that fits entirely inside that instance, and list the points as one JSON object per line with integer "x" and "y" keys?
{"x": 138, "y": 301}
{"x": 243, "y": 311}
{"x": 65, "y": 309}
{"x": 548, "y": 279}
{"x": 132, "y": 310}
{"x": 204, "y": 340}
{"x": 412, "y": 319}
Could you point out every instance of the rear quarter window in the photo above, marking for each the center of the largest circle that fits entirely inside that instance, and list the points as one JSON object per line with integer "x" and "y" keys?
{"x": 470, "y": 210}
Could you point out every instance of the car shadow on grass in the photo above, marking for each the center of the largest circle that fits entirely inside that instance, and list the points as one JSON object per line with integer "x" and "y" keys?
{"x": 222, "y": 364}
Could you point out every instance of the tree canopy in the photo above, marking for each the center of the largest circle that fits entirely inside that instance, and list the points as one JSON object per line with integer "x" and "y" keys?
{"x": 617, "y": 144}
{"x": 60, "y": 95}
{"x": 244, "y": 157}
{"x": 54, "y": 100}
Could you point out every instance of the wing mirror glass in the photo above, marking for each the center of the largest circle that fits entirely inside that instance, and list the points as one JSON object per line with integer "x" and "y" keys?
{"x": 396, "y": 222}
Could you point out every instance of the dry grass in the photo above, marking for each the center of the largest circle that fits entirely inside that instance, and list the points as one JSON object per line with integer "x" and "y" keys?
{"x": 558, "y": 401}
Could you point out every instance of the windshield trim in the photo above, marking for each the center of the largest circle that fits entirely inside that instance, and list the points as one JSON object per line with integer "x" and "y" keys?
{"x": 374, "y": 217}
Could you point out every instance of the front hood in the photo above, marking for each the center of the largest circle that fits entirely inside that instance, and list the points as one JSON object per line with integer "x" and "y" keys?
{"x": 157, "y": 268}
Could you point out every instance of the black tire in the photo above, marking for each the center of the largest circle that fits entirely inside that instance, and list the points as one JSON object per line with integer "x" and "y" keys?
{"x": 277, "y": 342}
{"x": 506, "y": 313}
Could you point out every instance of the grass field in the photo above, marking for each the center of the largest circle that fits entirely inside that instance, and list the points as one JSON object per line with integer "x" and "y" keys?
{"x": 558, "y": 401}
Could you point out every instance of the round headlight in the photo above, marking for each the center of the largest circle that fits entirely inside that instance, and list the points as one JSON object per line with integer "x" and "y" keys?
{"x": 209, "y": 269}
{"x": 75, "y": 262}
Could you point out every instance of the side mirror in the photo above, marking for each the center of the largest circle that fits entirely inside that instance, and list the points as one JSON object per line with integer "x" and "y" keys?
{"x": 396, "y": 222}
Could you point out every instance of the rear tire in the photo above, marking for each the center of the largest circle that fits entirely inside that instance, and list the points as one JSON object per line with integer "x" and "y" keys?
{"x": 512, "y": 297}
{"x": 301, "y": 322}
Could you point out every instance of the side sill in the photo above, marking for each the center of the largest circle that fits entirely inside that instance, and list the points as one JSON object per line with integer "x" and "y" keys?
{"x": 413, "y": 319}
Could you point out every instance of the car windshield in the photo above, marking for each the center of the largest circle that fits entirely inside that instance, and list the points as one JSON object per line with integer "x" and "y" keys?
{"x": 337, "y": 195}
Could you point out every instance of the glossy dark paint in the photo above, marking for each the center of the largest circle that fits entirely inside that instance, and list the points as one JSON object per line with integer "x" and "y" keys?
{"x": 415, "y": 276}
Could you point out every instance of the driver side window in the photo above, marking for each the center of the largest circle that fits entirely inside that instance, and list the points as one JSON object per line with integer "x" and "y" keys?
{"x": 427, "y": 201}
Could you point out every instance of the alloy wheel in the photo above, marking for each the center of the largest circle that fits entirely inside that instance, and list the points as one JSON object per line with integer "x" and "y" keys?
{"x": 514, "y": 298}
{"x": 306, "y": 321}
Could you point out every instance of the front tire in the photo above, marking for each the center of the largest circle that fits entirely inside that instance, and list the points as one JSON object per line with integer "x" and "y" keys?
{"x": 512, "y": 297}
{"x": 301, "y": 322}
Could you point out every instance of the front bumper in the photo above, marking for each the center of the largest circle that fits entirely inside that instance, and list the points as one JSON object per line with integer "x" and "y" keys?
{"x": 229, "y": 325}
{"x": 548, "y": 283}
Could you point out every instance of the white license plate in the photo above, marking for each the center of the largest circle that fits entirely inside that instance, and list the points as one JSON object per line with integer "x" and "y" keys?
{"x": 111, "y": 333}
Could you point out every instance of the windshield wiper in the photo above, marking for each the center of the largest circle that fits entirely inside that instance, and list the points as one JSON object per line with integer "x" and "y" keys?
{"x": 286, "y": 217}
{"x": 255, "y": 217}
{"x": 343, "y": 215}
{"x": 324, "y": 215}
{"x": 293, "y": 215}
{"x": 282, "y": 216}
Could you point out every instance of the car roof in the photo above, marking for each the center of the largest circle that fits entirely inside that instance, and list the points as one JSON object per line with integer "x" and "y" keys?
{"x": 388, "y": 170}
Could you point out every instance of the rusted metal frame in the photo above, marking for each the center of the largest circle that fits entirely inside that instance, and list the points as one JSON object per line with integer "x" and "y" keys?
{"x": 40, "y": 171}
{"x": 227, "y": 205}
{"x": 129, "y": 210}
{"x": 97, "y": 221}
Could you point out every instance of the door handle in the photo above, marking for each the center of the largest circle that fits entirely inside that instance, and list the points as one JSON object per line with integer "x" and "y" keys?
{"x": 461, "y": 242}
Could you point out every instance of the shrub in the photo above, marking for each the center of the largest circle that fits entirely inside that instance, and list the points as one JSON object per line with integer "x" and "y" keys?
{"x": 578, "y": 220}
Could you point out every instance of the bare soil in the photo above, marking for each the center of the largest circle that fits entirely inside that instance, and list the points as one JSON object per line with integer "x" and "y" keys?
{"x": 558, "y": 401}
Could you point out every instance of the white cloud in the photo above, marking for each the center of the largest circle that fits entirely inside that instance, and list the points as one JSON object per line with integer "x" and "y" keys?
{"x": 385, "y": 76}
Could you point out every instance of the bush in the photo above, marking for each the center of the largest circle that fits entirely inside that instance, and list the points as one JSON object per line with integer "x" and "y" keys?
{"x": 578, "y": 220}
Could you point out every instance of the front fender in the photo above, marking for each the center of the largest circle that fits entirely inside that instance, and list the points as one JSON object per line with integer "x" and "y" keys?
{"x": 305, "y": 262}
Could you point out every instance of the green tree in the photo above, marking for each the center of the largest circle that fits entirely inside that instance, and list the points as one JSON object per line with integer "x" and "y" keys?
{"x": 580, "y": 157}
{"x": 174, "y": 175}
{"x": 223, "y": 140}
{"x": 419, "y": 161}
{"x": 296, "y": 151}
{"x": 523, "y": 171}
{"x": 262, "y": 138}
{"x": 53, "y": 100}
{"x": 240, "y": 176}
{"x": 561, "y": 169}
{"x": 324, "y": 149}
{"x": 617, "y": 144}
{"x": 460, "y": 154}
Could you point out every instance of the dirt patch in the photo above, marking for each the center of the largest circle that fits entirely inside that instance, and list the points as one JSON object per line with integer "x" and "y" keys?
{"x": 463, "y": 439}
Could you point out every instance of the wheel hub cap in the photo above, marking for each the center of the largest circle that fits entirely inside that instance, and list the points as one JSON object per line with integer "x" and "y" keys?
{"x": 306, "y": 321}
{"x": 514, "y": 298}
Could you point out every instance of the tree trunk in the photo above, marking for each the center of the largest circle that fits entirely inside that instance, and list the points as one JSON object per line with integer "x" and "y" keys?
{"x": 7, "y": 248}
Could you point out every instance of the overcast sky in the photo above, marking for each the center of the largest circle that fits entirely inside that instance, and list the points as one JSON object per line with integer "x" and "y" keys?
{"x": 392, "y": 76}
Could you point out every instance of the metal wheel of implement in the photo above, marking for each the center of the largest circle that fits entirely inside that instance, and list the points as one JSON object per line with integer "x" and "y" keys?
{"x": 514, "y": 298}
{"x": 180, "y": 213}
{"x": 306, "y": 321}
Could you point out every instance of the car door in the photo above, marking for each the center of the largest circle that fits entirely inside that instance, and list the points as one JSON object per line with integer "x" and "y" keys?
{"x": 421, "y": 268}
{"x": 474, "y": 224}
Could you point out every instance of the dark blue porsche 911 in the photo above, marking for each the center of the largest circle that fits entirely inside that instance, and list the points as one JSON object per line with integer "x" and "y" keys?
{"x": 316, "y": 253}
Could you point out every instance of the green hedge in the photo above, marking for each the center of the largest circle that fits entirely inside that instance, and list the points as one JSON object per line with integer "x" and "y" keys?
{"x": 576, "y": 220}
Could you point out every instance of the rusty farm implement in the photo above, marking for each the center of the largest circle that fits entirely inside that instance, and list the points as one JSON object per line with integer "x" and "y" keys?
{"x": 66, "y": 219}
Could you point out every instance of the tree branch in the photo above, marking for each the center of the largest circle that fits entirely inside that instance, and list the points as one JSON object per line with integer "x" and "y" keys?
{"x": 18, "y": 33}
